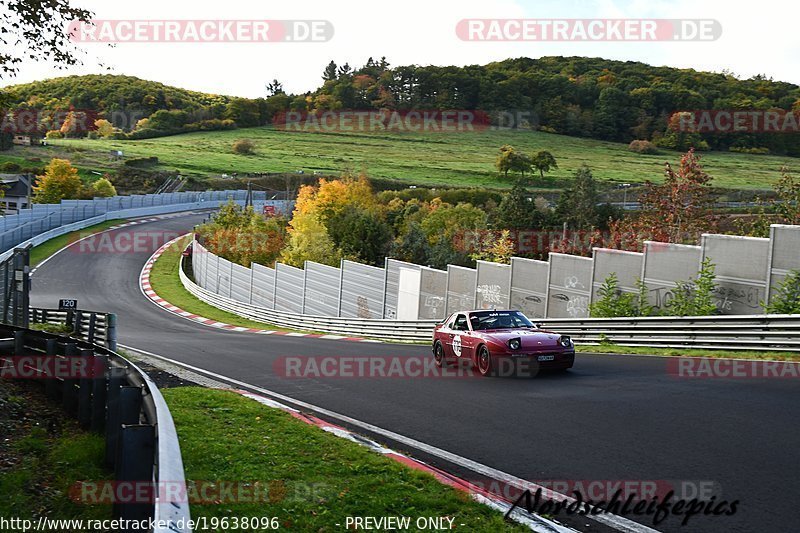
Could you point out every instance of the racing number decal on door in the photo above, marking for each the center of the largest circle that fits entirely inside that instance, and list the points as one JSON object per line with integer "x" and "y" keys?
{"x": 457, "y": 345}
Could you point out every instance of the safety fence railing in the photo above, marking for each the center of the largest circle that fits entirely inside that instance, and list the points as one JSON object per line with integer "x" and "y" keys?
{"x": 109, "y": 394}
{"x": 751, "y": 332}
{"x": 91, "y": 326}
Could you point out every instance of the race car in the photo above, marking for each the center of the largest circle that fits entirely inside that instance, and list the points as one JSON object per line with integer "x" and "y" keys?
{"x": 499, "y": 343}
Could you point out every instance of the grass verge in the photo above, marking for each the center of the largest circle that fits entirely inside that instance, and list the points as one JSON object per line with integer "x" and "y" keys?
{"x": 165, "y": 280}
{"x": 688, "y": 352}
{"x": 48, "y": 248}
{"x": 45, "y": 459}
{"x": 309, "y": 479}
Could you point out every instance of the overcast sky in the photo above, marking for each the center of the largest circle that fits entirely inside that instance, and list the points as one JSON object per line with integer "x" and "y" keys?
{"x": 757, "y": 37}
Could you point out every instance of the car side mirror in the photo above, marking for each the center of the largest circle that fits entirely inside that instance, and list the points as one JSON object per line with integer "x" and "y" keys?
{"x": 538, "y": 325}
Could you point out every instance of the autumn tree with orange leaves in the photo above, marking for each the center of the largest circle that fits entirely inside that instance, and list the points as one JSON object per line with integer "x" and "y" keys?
{"x": 678, "y": 210}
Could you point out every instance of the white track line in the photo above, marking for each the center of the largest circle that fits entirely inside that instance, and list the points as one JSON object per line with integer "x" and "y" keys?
{"x": 616, "y": 522}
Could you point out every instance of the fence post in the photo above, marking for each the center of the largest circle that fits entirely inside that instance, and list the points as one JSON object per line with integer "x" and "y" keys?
{"x": 69, "y": 394}
{"x": 85, "y": 388}
{"x": 99, "y": 392}
{"x": 92, "y": 318}
{"x": 111, "y": 331}
{"x": 115, "y": 380}
{"x": 51, "y": 385}
{"x": 135, "y": 453}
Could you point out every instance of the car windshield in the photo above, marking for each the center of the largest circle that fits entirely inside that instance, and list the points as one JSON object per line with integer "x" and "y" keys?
{"x": 499, "y": 320}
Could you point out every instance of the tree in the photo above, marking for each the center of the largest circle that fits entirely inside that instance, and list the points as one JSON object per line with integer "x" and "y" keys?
{"x": 35, "y": 30}
{"x": 60, "y": 181}
{"x": 504, "y": 161}
{"x": 243, "y": 146}
{"x": 786, "y": 296}
{"x": 518, "y": 211}
{"x": 360, "y": 235}
{"x": 330, "y": 72}
{"x": 788, "y": 190}
{"x": 498, "y": 247}
{"x": 242, "y": 236}
{"x": 509, "y": 159}
{"x": 75, "y": 124}
{"x": 577, "y": 204}
{"x": 544, "y": 161}
{"x": 103, "y": 188}
{"x": 678, "y": 210}
{"x": 103, "y": 128}
{"x": 275, "y": 87}
{"x": 413, "y": 246}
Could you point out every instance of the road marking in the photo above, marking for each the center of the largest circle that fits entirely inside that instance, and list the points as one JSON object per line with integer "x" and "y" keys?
{"x": 618, "y": 523}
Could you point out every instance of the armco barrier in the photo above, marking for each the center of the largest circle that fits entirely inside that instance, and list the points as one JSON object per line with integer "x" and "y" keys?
{"x": 90, "y": 326}
{"x": 751, "y": 332}
{"x": 121, "y": 401}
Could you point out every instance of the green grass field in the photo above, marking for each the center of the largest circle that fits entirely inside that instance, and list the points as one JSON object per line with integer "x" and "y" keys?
{"x": 309, "y": 479}
{"x": 432, "y": 159}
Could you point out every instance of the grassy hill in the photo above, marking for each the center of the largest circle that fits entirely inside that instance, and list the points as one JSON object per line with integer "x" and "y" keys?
{"x": 465, "y": 159}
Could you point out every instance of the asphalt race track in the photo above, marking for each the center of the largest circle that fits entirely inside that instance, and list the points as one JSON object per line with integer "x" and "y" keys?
{"x": 609, "y": 418}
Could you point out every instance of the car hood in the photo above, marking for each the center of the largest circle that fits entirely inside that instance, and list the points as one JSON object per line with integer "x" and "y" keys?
{"x": 531, "y": 338}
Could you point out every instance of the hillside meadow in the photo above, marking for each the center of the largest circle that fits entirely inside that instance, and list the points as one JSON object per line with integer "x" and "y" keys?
{"x": 425, "y": 159}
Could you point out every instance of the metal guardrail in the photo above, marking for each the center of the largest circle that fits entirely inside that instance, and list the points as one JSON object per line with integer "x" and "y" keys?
{"x": 751, "y": 332}
{"x": 91, "y": 326}
{"x": 112, "y": 395}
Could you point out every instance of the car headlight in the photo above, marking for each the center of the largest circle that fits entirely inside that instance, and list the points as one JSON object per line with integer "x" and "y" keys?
{"x": 565, "y": 341}
{"x": 514, "y": 344}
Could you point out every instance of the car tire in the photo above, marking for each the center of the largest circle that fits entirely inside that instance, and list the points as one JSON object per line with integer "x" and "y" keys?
{"x": 438, "y": 355}
{"x": 485, "y": 364}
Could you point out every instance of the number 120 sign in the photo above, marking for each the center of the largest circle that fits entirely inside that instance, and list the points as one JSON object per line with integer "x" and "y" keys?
{"x": 67, "y": 305}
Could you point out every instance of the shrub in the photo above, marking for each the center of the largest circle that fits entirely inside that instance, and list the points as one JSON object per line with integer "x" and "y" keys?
{"x": 786, "y": 298}
{"x": 243, "y": 146}
{"x": 613, "y": 301}
{"x": 103, "y": 188}
{"x": 695, "y": 297}
{"x": 755, "y": 150}
{"x": 54, "y": 134}
{"x": 10, "y": 166}
{"x": 642, "y": 147}
{"x": 140, "y": 162}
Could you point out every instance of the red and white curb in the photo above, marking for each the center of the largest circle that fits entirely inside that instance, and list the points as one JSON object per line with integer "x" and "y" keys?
{"x": 147, "y": 290}
{"x": 477, "y": 493}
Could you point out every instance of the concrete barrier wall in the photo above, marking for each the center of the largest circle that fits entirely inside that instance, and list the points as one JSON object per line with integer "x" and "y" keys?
{"x": 626, "y": 265}
{"x": 393, "y": 269}
{"x": 289, "y": 288}
{"x": 363, "y": 290}
{"x": 460, "y": 289}
{"x": 784, "y": 254}
{"x": 529, "y": 286}
{"x": 569, "y": 283}
{"x": 432, "y": 294}
{"x": 263, "y": 286}
{"x": 741, "y": 269}
{"x": 664, "y": 264}
{"x": 562, "y": 287}
{"x": 322, "y": 289}
{"x": 493, "y": 286}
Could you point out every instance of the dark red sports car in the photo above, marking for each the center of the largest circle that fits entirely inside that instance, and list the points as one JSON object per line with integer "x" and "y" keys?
{"x": 500, "y": 342}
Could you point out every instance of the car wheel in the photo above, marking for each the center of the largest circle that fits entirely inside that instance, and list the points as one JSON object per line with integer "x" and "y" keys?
{"x": 485, "y": 363}
{"x": 438, "y": 355}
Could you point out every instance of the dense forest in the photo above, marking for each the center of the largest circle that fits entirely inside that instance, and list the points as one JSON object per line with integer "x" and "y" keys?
{"x": 578, "y": 96}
